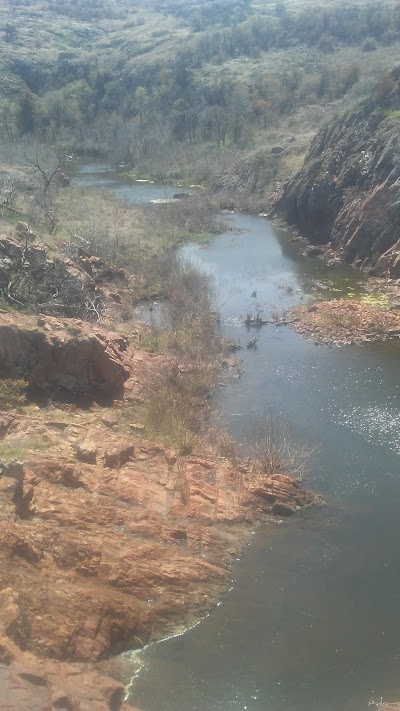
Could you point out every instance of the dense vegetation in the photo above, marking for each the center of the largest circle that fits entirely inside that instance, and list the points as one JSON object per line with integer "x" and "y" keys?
{"x": 124, "y": 79}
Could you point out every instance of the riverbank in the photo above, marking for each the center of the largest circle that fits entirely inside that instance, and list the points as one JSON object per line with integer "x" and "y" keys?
{"x": 121, "y": 518}
{"x": 148, "y": 536}
{"x": 343, "y": 321}
{"x": 111, "y": 541}
{"x": 368, "y": 311}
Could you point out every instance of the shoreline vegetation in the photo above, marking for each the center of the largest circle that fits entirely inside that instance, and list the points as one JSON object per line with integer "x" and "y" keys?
{"x": 342, "y": 322}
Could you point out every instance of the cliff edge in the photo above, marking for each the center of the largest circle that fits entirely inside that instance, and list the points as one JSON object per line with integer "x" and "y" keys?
{"x": 347, "y": 195}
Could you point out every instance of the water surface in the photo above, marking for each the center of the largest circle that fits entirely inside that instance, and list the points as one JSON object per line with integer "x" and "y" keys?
{"x": 103, "y": 176}
{"x": 312, "y": 622}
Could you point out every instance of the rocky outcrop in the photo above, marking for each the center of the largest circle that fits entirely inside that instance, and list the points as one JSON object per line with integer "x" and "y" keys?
{"x": 68, "y": 355}
{"x": 31, "y": 684}
{"x": 347, "y": 196}
{"x": 342, "y": 321}
{"x": 110, "y": 541}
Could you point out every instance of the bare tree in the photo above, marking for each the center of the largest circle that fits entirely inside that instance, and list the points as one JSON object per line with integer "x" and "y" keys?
{"x": 45, "y": 164}
{"x": 11, "y": 184}
{"x": 277, "y": 449}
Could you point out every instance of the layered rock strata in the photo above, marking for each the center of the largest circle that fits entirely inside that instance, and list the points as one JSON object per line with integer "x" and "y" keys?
{"x": 347, "y": 195}
{"x": 110, "y": 542}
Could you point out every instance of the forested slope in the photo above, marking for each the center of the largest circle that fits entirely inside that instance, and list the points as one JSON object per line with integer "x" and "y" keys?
{"x": 129, "y": 78}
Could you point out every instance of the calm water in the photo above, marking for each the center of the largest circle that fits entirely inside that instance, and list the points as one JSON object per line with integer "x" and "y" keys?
{"x": 312, "y": 622}
{"x": 102, "y": 176}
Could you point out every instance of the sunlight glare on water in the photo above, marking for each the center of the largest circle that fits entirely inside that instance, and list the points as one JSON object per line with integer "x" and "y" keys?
{"x": 375, "y": 424}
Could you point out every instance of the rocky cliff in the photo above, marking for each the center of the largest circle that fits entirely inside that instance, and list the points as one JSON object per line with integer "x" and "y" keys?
{"x": 347, "y": 196}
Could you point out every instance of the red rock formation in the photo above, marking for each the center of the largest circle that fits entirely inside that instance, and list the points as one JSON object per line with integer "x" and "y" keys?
{"x": 28, "y": 683}
{"x": 364, "y": 227}
{"x": 110, "y": 541}
{"x": 67, "y": 354}
{"x": 347, "y": 195}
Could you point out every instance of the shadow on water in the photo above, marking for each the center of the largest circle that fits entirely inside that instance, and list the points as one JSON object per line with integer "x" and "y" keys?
{"x": 312, "y": 622}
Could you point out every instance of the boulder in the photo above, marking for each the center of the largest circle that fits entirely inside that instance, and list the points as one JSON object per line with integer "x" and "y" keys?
{"x": 62, "y": 355}
{"x": 86, "y": 452}
{"x": 34, "y": 684}
{"x": 10, "y": 248}
{"x": 22, "y": 229}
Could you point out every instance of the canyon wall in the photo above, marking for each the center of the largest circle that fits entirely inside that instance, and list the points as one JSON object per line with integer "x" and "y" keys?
{"x": 347, "y": 195}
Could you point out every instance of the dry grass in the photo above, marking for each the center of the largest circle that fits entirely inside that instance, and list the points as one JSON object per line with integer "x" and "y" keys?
{"x": 107, "y": 226}
{"x": 176, "y": 410}
{"x": 276, "y": 449}
{"x": 13, "y": 394}
{"x": 17, "y": 449}
{"x": 355, "y": 317}
{"x": 345, "y": 321}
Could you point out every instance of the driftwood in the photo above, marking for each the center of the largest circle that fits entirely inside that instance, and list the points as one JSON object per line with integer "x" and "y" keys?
{"x": 255, "y": 320}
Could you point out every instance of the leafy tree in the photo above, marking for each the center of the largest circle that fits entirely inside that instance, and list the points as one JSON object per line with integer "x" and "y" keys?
{"x": 10, "y": 32}
{"x": 26, "y": 114}
{"x": 141, "y": 101}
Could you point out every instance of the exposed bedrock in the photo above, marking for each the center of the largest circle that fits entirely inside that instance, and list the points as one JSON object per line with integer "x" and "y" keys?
{"x": 109, "y": 542}
{"x": 64, "y": 354}
{"x": 347, "y": 196}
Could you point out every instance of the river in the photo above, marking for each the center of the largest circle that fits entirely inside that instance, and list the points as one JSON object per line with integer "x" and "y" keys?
{"x": 312, "y": 620}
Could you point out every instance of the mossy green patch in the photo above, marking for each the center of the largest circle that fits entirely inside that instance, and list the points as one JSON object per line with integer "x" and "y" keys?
{"x": 392, "y": 115}
{"x": 378, "y": 300}
{"x": 16, "y": 450}
{"x": 13, "y": 394}
{"x": 200, "y": 237}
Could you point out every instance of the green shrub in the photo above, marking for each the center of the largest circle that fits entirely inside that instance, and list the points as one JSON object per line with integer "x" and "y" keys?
{"x": 17, "y": 449}
{"x": 369, "y": 45}
{"x": 13, "y": 394}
